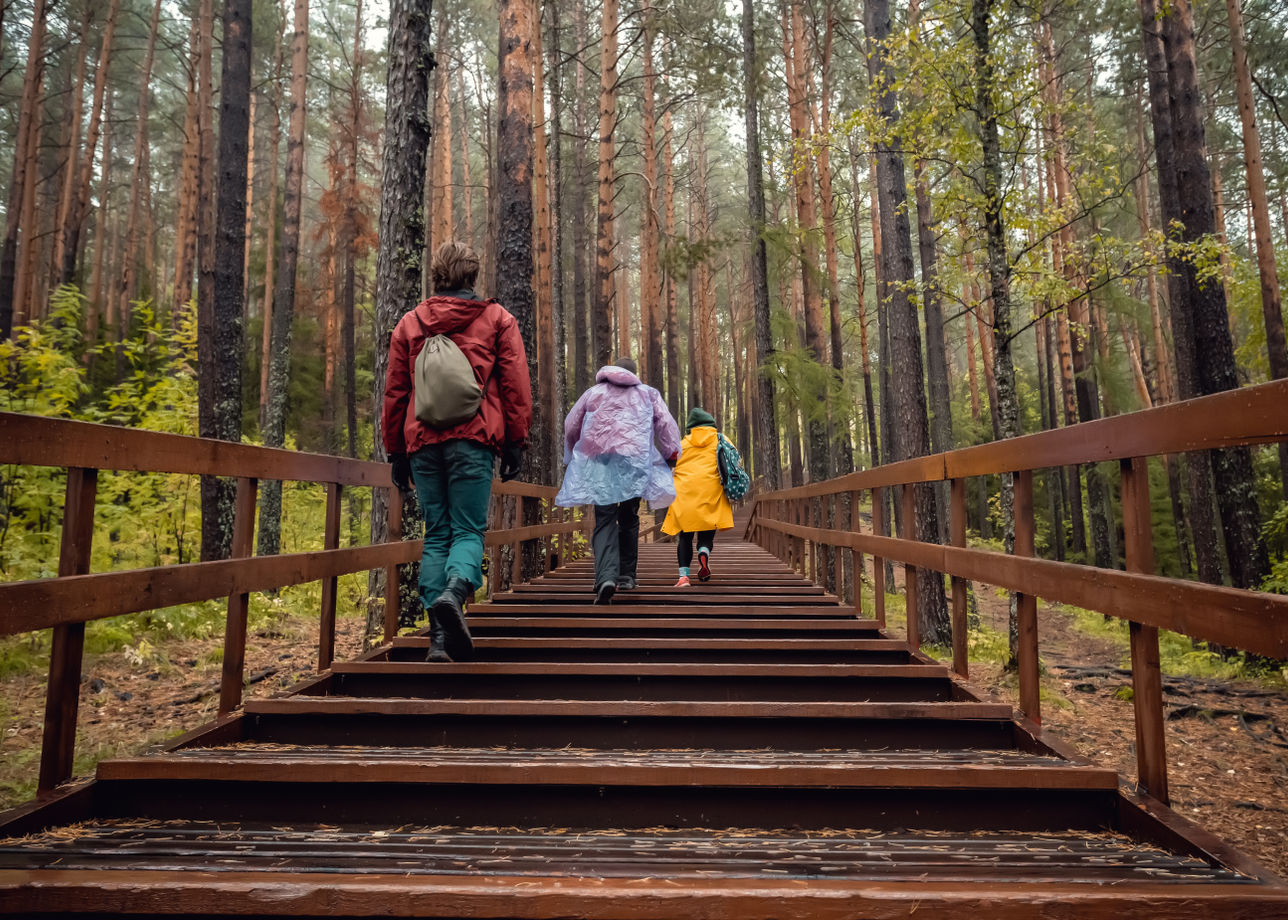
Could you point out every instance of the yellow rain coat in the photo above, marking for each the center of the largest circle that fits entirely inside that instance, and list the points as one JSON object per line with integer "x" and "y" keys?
{"x": 700, "y": 502}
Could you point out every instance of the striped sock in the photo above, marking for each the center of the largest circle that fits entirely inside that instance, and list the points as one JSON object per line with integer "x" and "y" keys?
{"x": 684, "y": 570}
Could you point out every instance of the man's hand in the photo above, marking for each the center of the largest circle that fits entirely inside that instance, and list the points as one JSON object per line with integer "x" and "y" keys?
{"x": 401, "y": 471}
{"x": 511, "y": 460}
{"x": 671, "y": 460}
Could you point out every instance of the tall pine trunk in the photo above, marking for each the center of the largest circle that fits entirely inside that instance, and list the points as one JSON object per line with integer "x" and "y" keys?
{"x": 765, "y": 458}
{"x": 909, "y": 424}
{"x": 605, "y": 241}
{"x": 279, "y": 372}
{"x": 402, "y": 237}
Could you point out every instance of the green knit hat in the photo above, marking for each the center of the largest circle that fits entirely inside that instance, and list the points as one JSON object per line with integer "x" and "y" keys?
{"x": 699, "y": 418}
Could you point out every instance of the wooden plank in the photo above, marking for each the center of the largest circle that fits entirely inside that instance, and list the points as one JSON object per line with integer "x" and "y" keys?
{"x": 478, "y": 895}
{"x": 715, "y": 670}
{"x": 678, "y": 621}
{"x": 692, "y": 644}
{"x": 530, "y": 532}
{"x": 1147, "y": 678}
{"x": 1026, "y": 604}
{"x": 234, "y": 664}
{"x": 908, "y": 522}
{"x": 30, "y": 440}
{"x": 393, "y": 596}
{"x": 1248, "y": 415}
{"x": 330, "y": 540}
{"x": 957, "y": 526}
{"x": 1254, "y": 621}
{"x": 298, "y": 705}
{"x": 31, "y": 605}
{"x": 519, "y": 611}
{"x": 67, "y": 648}
{"x": 519, "y": 770}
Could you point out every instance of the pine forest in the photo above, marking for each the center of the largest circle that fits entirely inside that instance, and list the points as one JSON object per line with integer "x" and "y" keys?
{"x": 855, "y": 232}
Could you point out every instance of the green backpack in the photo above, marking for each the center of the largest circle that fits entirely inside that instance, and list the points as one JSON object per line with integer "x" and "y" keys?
{"x": 446, "y": 391}
{"x": 733, "y": 477}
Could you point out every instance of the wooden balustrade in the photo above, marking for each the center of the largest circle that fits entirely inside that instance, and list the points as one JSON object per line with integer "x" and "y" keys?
{"x": 1248, "y": 620}
{"x": 66, "y": 603}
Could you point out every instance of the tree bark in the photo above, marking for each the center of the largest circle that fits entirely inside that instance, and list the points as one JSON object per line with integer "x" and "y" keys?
{"x": 650, "y": 276}
{"x": 270, "y": 234}
{"x": 548, "y": 443}
{"x": 71, "y": 172}
{"x": 1271, "y": 308}
{"x": 674, "y": 382}
{"x": 910, "y": 427}
{"x": 220, "y": 412}
{"x": 765, "y": 457}
{"x": 605, "y": 241}
{"x": 581, "y": 268}
{"x": 279, "y": 372}
{"x": 803, "y": 179}
{"x": 1201, "y": 332}
{"x": 22, "y": 187}
{"x": 402, "y": 237}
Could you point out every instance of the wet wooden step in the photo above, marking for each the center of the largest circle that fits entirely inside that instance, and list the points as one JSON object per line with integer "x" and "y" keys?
{"x": 672, "y": 626}
{"x": 694, "y": 854}
{"x": 448, "y": 767}
{"x": 830, "y": 612}
{"x": 609, "y": 727}
{"x": 634, "y": 681}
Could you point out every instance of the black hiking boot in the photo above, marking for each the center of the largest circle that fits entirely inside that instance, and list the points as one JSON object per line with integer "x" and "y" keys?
{"x": 604, "y": 593}
{"x": 448, "y": 613}
{"x": 437, "y": 651}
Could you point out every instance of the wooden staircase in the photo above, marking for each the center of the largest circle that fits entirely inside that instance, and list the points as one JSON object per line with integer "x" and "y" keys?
{"x": 741, "y": 749}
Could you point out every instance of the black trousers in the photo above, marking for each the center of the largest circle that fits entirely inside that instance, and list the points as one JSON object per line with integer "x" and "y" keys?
{"x": 684, "y": 545}
{"x": 616, "y": 540}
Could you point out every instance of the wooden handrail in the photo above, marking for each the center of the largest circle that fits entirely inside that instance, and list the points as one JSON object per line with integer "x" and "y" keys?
{"x": 1254, "y": 621}
{"x": 66, "y": 603}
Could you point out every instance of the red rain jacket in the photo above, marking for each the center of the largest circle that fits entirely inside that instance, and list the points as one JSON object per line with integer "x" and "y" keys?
{"x": 488, "y": 335}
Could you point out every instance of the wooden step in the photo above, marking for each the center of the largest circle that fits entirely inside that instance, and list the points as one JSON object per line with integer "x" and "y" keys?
{"x": 517, "y": 609}
{"x": 630, "y": 681}
{"x": 604, "y": 769}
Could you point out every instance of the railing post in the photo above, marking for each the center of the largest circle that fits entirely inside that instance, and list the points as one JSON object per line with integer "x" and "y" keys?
{"x": 957, "y": 528}
{"x": 1026, "y": 605}
{"x": 909, "y": 523}
{"x": 330, "y": 540}
{"x": 878, "y": 562}
{"x": 67, "y": 647}
{"x": 1146, "y": 676}
{"x": 838, "y": 558}
{"x": 393, "y": 588}
{"x": 230, "y": 686}
{"x": 855, "y": 522}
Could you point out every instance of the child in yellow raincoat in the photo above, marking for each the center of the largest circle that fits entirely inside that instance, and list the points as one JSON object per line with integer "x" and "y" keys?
{"x": 700, "y": 507}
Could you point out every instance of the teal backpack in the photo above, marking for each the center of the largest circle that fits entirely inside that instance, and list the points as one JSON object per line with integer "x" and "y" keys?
{"x": 733, "y": 477}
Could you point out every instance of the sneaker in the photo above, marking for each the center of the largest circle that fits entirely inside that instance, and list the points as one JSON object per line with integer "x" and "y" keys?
{"x": 704, "y": 567}
{"x": 604, "y": 593}
{"x": 683, "y": 582}
{"x": 626, "y": 583}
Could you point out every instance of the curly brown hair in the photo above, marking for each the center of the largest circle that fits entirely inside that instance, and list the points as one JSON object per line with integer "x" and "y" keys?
{"x": 455, "y": 267}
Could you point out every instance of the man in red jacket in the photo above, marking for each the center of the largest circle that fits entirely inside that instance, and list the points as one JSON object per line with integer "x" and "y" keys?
{"x": 452, "y": 467}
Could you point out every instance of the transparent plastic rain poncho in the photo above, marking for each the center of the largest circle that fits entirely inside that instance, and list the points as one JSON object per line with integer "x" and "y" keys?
{"x": 609, "y": 447}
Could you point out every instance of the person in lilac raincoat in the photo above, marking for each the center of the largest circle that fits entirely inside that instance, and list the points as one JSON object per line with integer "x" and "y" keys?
{"x": 620, "y": 444}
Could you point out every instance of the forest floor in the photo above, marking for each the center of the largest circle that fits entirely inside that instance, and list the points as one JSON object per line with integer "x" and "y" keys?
{"x": 1227, "y": 740}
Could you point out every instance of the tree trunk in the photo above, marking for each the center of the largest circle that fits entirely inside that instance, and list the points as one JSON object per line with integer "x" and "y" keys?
{"x": 74, "y": 225}
{"x": 650, "y": 276}
{"x": 1205, "y": 351}
{"x": 910, "y": 427}
{"x": 442, "y": 225}
{"x": 674, "y": 382}
{"x": 71, "y": 171}
{"x": 803, "y": 177}
{"x": 185, "y": 229}
{"x": 220, "y": 410}
{"x": 402, "y": 237}
{"x": 1271, "y": 309}
{"x": 606, "y": 241}
{"x": 869, "y": 408}
{"x": 580, "y": 236}
{"x": 270, "y": 234}
{"x": 559, "y": 400}
{"x": 765, "y": 459}
{"x": 22, "y": 187}
{"x": 279, "y": 372}
{"x": 548, "y": 446}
